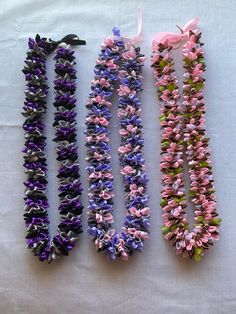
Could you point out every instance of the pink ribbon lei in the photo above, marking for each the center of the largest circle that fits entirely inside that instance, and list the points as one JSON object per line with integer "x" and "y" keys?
{"x": 174, "y": 39}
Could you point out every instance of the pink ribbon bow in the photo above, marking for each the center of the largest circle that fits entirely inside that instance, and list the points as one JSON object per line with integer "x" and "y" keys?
{"x": 138, "y": 38}
{"x": 173, "y": 38}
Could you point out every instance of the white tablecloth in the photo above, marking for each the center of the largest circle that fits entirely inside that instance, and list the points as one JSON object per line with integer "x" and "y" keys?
{"x": 156, "y": 281}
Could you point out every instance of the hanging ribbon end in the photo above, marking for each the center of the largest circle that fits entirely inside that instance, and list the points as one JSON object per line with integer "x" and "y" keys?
{"x": 181, "y": 30}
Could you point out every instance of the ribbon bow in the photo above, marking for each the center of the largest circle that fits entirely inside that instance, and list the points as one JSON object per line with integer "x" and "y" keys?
{"x": 136, "y": 39}
{"x": 173, "y": 38}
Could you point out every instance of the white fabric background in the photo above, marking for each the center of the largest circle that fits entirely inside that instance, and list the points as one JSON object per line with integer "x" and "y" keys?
{"x": 157, "y": 281}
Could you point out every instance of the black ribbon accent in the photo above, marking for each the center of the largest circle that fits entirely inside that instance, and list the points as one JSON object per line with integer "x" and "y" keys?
{"x": 70, "y": 39}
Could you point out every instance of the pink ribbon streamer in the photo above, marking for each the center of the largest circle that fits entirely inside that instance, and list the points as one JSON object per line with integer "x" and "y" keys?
{"x": 138, "y": 38}
{"x": 174, "y": 39}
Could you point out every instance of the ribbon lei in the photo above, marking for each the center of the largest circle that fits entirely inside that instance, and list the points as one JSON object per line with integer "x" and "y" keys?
{"x": 174, "y": 39}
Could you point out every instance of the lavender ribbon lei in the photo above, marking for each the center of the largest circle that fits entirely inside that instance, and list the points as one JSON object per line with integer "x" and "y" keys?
{"x": 119, "y": 63}
{"x": 35, "y": 161}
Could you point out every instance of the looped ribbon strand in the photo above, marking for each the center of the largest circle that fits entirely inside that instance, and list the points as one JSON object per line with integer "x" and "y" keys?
{"x": 174, "y": 39}
{"x": 136, "y": 39}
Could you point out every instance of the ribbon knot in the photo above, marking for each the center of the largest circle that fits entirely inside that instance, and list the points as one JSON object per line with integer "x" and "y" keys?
{"x": 70, "y": 39}
{"x": 174, "y": 39}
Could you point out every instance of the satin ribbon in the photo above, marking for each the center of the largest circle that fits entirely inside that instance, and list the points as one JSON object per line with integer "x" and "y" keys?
{"x": 174, "y": 39}
{"x": 138, "y": 38}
